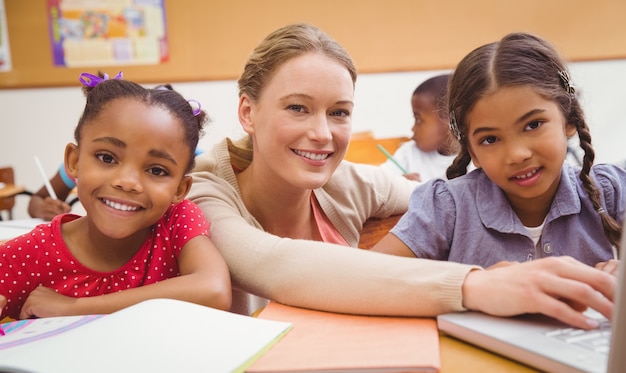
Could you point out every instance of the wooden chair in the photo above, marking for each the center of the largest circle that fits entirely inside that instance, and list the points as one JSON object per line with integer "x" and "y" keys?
{"x": 375, "y": 229}
{"x": 363, "y": 148}
{"x": 9, "y": 190}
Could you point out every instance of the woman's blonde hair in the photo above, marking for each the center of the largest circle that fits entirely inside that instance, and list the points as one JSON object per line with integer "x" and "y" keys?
{"x": 280, "y": 46}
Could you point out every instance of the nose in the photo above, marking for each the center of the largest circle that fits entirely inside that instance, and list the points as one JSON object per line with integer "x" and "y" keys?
{"x": 414, "y": 130}
{"x": 517, "y": 152}
{"x": 127, "y": 179}
{"x": 319, "y": 129}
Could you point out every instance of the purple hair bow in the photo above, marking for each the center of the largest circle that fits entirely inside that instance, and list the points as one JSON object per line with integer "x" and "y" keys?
{"x": 90, "y": 80}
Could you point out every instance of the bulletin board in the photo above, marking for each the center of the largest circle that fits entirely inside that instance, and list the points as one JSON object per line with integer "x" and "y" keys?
{"x": 211, "y": 39}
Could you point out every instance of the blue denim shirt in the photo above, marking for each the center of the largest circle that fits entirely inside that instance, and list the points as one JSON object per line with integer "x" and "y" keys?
{"x": 469, "y": 220}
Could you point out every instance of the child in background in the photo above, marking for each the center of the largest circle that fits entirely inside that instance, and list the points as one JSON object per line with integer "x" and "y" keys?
{"x": 43, "y": 206}
{"x": 512, "y": 107}
{"x": 432, "y": 148}
{"x": 140, "y": 237}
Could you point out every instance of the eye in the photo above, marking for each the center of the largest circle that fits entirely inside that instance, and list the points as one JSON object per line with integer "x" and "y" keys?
{"x": 296, "y": 108}
{"x": 488, "y": 140}
{"x": 340, "y": 113}
{"x": 105, "y": 157}
{"x": 534, "y": 125}
{"x": 158, "y": 171}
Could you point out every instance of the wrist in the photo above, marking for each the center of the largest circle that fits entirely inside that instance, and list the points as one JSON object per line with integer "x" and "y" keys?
{"x": 471, "y": 289}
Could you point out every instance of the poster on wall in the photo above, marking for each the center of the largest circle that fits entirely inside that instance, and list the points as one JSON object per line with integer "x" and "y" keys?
{"x": 5, "y": 51}
{"x": 107, "y": 32}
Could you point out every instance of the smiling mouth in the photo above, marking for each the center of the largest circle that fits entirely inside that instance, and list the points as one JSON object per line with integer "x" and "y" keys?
{"x": 312, "y": 156}
{"x": 527, "y": 175}
{"x": 119, "y": 206}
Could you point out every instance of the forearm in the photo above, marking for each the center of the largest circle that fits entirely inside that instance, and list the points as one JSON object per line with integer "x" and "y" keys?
{"x": 340, "y": 279}
{"x": 211, "y": 292}
{"x": 383, "y": 285}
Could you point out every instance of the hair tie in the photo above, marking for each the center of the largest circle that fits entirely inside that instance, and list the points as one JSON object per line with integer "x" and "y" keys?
{"x": 567, "y": 82}
{"x": 90, "y": 80}
{"x": 197, "y": 110}
{"x": 454, "y": 127}
{"x": 601, "y": 210}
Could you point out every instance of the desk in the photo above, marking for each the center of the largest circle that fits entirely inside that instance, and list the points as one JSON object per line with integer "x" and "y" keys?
{"x": 11, "y": 190}
{"x": 10, "y": 229}
{"x": 456, "y": 355}
{"x": 460, "y": 357}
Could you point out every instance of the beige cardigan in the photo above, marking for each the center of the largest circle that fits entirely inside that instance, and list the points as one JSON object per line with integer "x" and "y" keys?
{"x": 315, "y": 274}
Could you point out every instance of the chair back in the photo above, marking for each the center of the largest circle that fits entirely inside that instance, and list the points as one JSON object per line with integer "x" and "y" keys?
{"x": 363, "y": 149}
{"x": 375, "y": 229}
{"x": 7, "y": 177}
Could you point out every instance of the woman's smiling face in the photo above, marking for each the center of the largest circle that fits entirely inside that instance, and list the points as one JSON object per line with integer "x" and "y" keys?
{"x": 302, "y": 120}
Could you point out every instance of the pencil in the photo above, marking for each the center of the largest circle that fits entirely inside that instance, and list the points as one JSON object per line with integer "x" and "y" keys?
{"x": 392, "y": 159}
{"x": 46, "y": 182}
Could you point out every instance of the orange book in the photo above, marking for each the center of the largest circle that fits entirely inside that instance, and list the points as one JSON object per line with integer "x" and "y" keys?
{"x": 334, "y": 342}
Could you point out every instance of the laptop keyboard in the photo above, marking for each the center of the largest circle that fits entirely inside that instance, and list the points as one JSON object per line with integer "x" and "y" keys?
{"x": 598, "y": 340}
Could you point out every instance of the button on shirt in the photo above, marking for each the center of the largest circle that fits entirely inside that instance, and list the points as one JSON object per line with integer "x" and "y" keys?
{"x": 469, "y": 220}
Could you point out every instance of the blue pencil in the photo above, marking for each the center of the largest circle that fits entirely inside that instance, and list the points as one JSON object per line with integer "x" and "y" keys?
{"x": 391, "y": 158}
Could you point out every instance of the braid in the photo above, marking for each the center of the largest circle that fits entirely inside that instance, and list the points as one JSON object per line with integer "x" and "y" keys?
{"x": 612, "y": 230}
{"x": 460, "y": 163}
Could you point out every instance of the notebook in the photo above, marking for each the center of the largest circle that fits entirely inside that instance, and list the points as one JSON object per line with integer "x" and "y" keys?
{"x": 157, "y": 335}
{"x": 545, "y": 343}
{"x": 10, "y": 229}
{"x": 328, "y": 342}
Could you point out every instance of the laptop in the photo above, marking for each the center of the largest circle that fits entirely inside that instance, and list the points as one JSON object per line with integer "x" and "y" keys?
{"x": 545, "y": 343}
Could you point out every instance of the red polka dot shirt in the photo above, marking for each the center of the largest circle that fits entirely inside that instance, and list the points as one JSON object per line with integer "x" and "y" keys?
{"x": 40, "y": 257}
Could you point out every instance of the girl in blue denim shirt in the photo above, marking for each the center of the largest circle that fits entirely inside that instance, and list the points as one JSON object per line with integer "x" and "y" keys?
{"x": 513, "y": 107}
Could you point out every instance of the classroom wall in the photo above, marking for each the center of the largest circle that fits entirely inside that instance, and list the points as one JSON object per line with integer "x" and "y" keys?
{"x": 210, "y": 39}
{"x": 396, "y": 44}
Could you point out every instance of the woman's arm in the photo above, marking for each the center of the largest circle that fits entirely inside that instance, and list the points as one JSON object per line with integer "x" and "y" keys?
{"x": 204, "y": 279}
{"x": 320, "y": 275}
{"x": 341, "y": 279}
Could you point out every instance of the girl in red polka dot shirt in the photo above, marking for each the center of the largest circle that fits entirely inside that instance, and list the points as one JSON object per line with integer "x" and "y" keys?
{"x": 140, "y": 237}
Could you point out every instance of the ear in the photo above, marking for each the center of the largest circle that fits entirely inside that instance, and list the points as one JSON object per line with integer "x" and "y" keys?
{"x": 245, "y": 112}
{"x": 474, "y": 159}
{"x": 183, "y": 189}
{"x": 570, "y": 130}
{"x": 71, "y": 160}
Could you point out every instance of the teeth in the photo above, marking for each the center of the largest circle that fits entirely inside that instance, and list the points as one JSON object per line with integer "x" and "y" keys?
{"x": 119, "y": 206}
{"x": 531, "y": 173}
{"x": 313, "y": 156}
